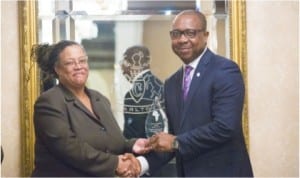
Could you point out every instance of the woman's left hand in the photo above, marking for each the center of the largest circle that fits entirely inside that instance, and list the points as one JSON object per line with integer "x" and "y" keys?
{"x": 141, "y": 146}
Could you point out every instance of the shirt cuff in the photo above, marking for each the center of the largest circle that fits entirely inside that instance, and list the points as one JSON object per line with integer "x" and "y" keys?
{"x": 144, "y": 165}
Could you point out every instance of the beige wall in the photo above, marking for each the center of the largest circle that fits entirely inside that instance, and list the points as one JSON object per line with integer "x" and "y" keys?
{"x": 10, "y": 109}
{"x": 273, "y": 80}
{"x": 160, "y": 45}
{"x": 1, "y": 78}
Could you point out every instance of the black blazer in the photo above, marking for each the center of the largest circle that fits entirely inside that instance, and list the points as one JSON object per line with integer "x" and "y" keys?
{"x": 209, "y": 124}
{"x": 71, "y": 141}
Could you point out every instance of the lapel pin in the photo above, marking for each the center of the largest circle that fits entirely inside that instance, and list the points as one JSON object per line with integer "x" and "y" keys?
{"x": 198, "y": 74}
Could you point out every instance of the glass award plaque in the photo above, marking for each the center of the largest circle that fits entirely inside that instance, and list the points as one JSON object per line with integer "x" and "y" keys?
{"x": 156, "y": 120}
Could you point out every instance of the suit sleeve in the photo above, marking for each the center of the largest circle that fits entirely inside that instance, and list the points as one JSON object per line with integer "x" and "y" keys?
{"x": 226, "y": 112}
{"x": 53, "y": 131}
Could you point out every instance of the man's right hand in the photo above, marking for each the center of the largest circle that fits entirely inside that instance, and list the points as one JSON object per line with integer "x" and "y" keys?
{"x": 128, "y": 166}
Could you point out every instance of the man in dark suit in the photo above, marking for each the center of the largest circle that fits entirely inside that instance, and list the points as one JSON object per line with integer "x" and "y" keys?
{"x": 204, "y": 104}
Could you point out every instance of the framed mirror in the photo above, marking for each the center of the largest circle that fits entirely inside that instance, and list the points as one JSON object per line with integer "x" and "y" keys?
{"x": 105, "y": 37}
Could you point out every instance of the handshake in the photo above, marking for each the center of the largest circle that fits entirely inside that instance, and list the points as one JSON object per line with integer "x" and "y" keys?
{"x": 129, "y": 165}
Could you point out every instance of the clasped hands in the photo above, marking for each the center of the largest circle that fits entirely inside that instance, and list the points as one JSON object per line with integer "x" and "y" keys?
{"x": 129, "y": 166}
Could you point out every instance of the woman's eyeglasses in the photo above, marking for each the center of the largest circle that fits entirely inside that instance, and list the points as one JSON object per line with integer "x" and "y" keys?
{"x": 70, "y": 63}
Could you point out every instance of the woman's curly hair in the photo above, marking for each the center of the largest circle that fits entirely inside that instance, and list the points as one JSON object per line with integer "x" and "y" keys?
{"x": 47, "y": 55}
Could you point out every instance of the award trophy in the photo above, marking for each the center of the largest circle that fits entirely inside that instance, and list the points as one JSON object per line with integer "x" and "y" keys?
{"x": 156, "y": 120}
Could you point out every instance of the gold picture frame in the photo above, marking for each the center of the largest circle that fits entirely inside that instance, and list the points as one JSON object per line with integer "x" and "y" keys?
{"x": 29, "y": 73}
{"x": 238, "y": 50}
{"x": 29, "y": 82}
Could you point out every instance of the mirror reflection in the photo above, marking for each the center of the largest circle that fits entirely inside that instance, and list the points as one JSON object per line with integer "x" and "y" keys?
{"x": 107, "y": 28}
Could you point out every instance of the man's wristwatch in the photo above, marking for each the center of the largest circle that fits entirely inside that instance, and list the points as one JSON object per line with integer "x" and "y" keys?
{"x": 175, "y": 145}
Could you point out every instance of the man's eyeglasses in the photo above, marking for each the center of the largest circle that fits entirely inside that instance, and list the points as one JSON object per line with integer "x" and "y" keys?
{"x": 189, "y": 33}
{"x": 73, "y": 62}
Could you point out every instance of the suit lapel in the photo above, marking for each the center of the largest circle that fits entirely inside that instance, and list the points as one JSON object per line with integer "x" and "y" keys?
{"x": 196, "y": 81}
{"x": 79, "y": 105}
{"x": 178, "y": 93}
{"x": 103, "y": 111}
{"x": 69, "y": 97}
{"x": 97, "y": 106}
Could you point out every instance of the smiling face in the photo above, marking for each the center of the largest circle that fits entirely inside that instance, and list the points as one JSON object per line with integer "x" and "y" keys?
{"x": 189, "y": 47}
{"x": 72, "y": 67}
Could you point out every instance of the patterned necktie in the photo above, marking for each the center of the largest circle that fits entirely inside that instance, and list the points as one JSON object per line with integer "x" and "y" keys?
{"x": 186, "y": 81}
